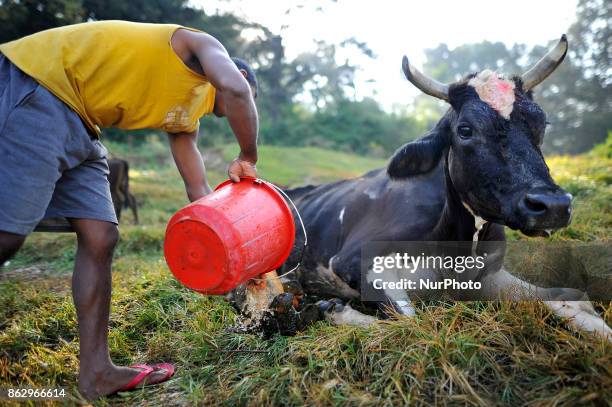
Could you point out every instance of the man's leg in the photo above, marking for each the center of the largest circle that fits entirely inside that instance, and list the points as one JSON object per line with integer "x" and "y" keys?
{"x": 9, "y": 244}
{"x": 91, "y": 291}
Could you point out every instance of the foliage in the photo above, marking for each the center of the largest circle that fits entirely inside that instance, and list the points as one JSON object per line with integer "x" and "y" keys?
{"x": 19, "y": 18}
{"x": 307, "y": 165}
{"x": 302, "y": 102}
{"x": 352, "y": 126}
{"x": 308, "y": 101}
{"x": 576, "y": 97}
{"x": 161, "y": 11}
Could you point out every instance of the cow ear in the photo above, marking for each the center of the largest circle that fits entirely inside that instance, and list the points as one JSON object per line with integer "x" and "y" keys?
{"x": 419, "y": 156}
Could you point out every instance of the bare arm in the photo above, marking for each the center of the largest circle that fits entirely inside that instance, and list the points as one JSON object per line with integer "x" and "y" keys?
{"x": 190, "y": 164}
{"x": 239, "y": 106}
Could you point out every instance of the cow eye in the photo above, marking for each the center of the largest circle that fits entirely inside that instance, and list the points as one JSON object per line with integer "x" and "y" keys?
{"x": 464, "y": 131}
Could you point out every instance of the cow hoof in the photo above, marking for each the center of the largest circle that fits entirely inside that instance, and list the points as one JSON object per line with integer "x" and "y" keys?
{"x": 333, "y": 305}
{"x": 282, "y": 303}
{"x": 308, "y": 316}
{"x": 339, "y": 314}
{"x": 281, "y": 317}
{"x": 293, "y": 287}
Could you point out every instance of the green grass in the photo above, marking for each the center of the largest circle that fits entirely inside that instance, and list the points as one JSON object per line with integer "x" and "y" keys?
{"x": 449, "y": 354}
{"x": 306, "y": 165}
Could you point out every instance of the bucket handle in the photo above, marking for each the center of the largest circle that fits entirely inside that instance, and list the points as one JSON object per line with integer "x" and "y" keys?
{"x": 299, "y": 263}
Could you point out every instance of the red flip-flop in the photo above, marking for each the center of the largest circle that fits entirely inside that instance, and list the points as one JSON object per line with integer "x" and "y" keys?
{"x": 145, "y": 371}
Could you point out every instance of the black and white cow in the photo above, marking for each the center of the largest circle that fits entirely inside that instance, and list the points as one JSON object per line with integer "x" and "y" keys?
{"x": 478, "y": 170}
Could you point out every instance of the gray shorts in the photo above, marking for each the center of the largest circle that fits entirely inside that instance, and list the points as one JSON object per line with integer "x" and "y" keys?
{"x": 50, "y": 166}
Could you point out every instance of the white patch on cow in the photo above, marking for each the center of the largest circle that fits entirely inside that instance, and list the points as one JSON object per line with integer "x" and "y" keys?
{"x": 341, "y": 216}
{"x": 501, "y": 285}
{"x": 495, "y": 91}
{"x": 399, "y": 298}
{"x": 478, "y": 223}
{"x": 405, "y": 308}
{"x": 470, "y": 210}
{"x": 372, "y": 194}
{"x": 349, "y": 316}
{"x": 581, "y": 316}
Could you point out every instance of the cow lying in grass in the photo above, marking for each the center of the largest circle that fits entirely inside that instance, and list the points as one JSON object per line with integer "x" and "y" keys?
{"x": 478, "y": 170}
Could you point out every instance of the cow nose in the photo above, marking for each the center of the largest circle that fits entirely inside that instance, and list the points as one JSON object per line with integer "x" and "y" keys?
{"x": 546, "y": 209}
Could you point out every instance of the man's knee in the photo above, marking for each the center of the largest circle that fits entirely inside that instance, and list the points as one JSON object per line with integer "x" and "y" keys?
{"x": 98, "y": 239}
{"x": 9, "y": 244}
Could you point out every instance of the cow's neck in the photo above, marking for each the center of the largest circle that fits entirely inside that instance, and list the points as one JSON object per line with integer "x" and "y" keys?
{"x": 458, "y": 222}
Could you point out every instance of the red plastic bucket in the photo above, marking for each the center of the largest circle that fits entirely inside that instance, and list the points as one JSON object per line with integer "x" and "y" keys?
{"x": 236, "y": 233}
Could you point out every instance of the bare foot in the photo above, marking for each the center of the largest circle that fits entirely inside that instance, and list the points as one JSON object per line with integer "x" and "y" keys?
{"x": 93, "y": 385}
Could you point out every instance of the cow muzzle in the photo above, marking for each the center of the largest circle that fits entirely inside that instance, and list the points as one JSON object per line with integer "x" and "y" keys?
{"x": 544, "y": 211}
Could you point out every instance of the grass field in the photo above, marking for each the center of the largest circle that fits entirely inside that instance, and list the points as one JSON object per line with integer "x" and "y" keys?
{"x": 449, "y": 354}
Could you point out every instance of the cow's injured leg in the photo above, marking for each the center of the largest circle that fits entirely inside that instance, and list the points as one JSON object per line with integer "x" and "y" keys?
{"x": 268, "y": 307}
{"x": 567, "y": 303}
{"x": 343, "y": 314}
{"x": 253, "y": 300}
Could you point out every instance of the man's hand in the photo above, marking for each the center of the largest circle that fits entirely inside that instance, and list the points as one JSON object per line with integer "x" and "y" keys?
{"x": 241, "y": 168}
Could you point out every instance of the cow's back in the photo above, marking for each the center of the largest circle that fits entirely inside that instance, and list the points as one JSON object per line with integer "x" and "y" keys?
{"x": 341, "y": 216}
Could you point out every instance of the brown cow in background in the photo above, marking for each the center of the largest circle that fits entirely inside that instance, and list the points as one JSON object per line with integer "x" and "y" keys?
{"x": 120, "y": 187}
{"x": 118, "y": 178}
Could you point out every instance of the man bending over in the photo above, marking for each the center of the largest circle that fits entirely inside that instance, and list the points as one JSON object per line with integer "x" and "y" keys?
{"x": 57, "y": 89}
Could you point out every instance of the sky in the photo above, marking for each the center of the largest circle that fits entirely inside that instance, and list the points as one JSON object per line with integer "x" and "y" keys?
{"x": 392, "y": 28}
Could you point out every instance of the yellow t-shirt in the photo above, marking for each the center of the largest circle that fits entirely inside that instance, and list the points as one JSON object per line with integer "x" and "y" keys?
{"x": 116, "y": 74}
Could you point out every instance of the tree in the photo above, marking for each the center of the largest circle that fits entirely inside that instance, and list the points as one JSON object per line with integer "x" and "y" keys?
{"x": 23, "y": 17}
{"x": 576, "y": 96}
{"x": 451, "y": 65}
{"x": 305, "y": 101}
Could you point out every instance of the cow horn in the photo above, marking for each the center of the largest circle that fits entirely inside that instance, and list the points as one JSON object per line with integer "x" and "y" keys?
{"x": 426, "y": 84}
{"x": 545, "y": 66}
